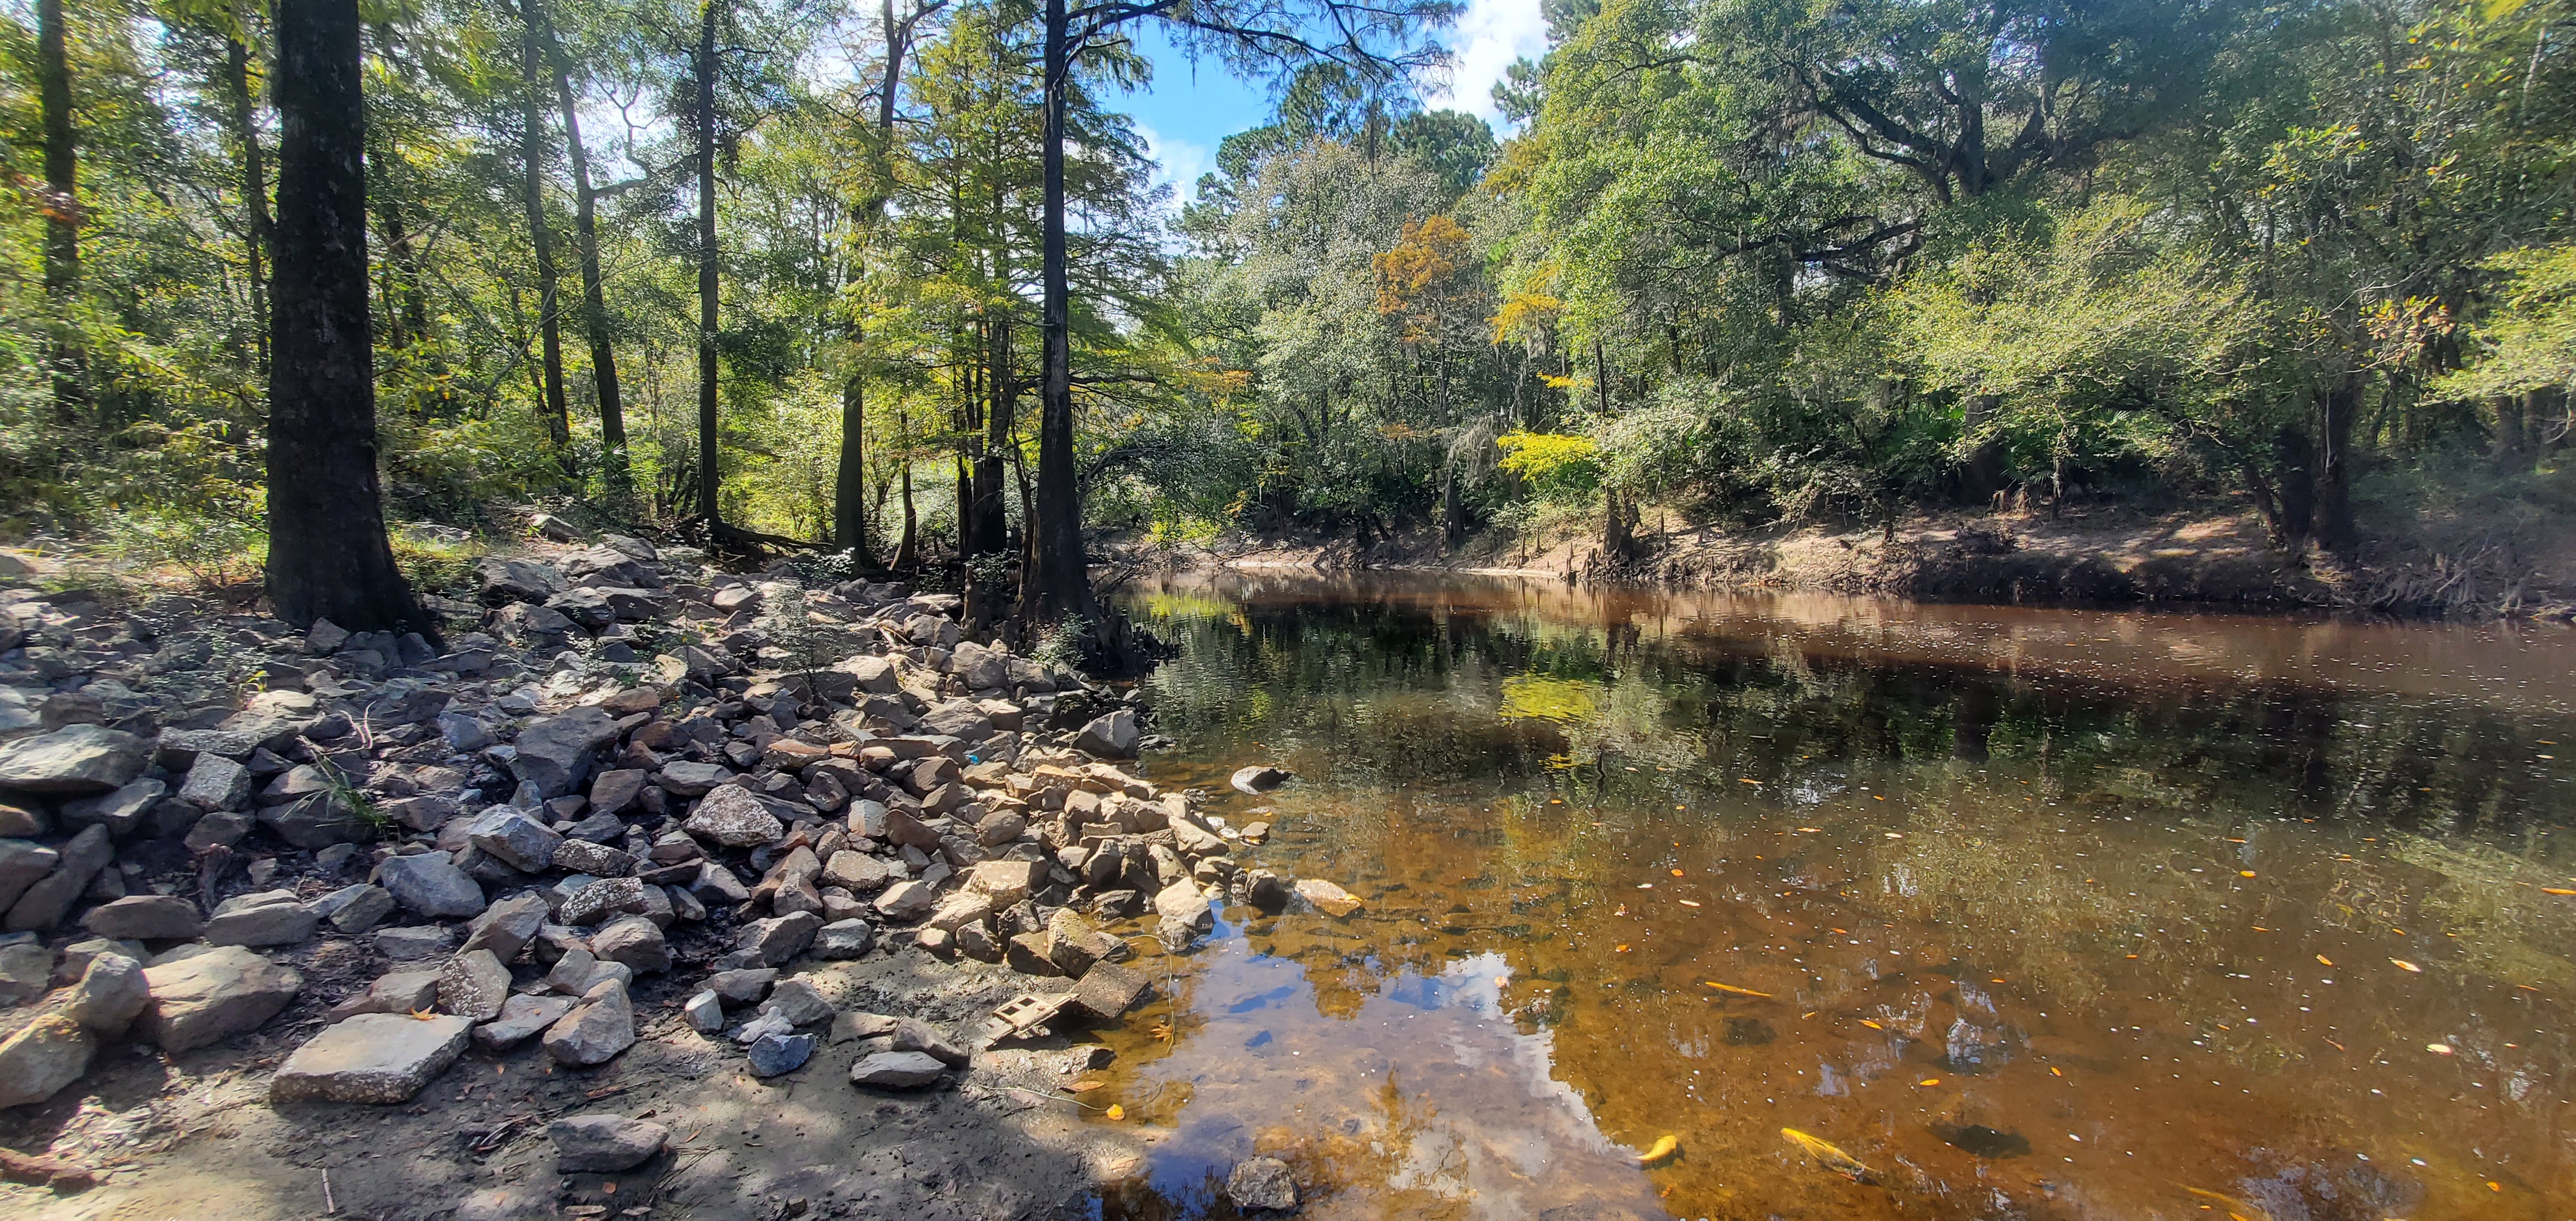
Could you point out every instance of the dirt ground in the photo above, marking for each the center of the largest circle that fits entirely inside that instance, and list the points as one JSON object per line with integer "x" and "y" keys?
{"x": 196, "y": 1137}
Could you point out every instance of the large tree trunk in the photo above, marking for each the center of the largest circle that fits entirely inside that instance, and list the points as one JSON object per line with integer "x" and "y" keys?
{"x": 327, "y": 553}
{"x": 585, "y": 236}
{"x": 63, "y": 355}
{"x": 703, "y": 64}
{"x": 849, "y": 483}
{"x": 2513, "y": 451}
{"x": 255, "y": 238}
{"x": 541, "y": 238}
{"x": 2335, "y": 530}
{"x": 1058, "y": 586}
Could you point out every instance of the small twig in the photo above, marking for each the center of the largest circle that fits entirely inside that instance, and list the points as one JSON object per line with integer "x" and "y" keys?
{"x": 329, "y": 1208}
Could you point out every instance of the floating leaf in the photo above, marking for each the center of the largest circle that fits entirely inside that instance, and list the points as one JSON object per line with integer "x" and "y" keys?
{"x": 1832, "y": 1157}
{"x": 2245, "y": 873}
{"x": 2323, "y": 959}
{"x": 1621, "y": 949}
{"x": 1081, "y": 1087}
{"x": 2556, "y": 890}
{"x": 1872, "y": 1025}
{"x": 1665, "y": 1146}
{"x": 2439, "y": 1049}
{"x": 2404, "y": 965}
{"x": 1116, "y": 1111}
{"x": 1929, "y": 1081}
{"x": 1732, "y": 988}
{"x": 1677, "y": 873}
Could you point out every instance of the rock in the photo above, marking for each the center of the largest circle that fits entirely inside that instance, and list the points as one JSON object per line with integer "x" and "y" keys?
{"x": 19, "y": 820}
{"x": 1262, "y": 1183}
{"x": 906, "y": 901}
{"x": 411, "y": 943}
{"x": 776, "y": 940}
{"x": 691, "y": 779}
{"x": 1007, "y": 881}
{"x": 1000, "y": 827}
{"x": 1108, "y": 990}
{"x": 281, "y": 920}
{"x": 571, "y": 973}
{"x": 1074, "y": 946}
{"x": 506, "y": 927}
{"x": 431, "y": 884}
{"x": 603, "y": 899}
{"x": 393, "y": 992}
{"x": 598, "y": 1028}
{"x": 44, "y": 904}
{"x": 774, "y": 1054}
{"x": 1182, "y": 902}
{"x": 555, "y": 754}
{"x": 716, "y": 884}
{"x": 40, "y": 1058}
{"x": 515, "y": 838}
{"x": 742, "y": 987}
{"x": 317, "y": 820}
{"x": 372, "y": 1057}
{"x": 896, "y": 1070}
{"x": 705, "y": 1014}
{"x": 615, "y": 790}
{"x": 74, "y": 760}
{"x": 859, "y": 872}
{"x": 1326, "y": 897}
{"x": 972, "y": 939}
{"x": 145, "y": 918}
{"x": 474, "y": 985}
{"x": 1258, "y": 779}
{"x": 22, "y": 864}
{"x": 912, "y": 1034}
{"x": 355, "y": 909}
{"x": 215, "y": 783}
{"x": 1111, "y": 737}
{"x": 604, "y": 1144}
{"x": 507, "y": 580}
{"x": 798, "y": 1002}
{"x": 523, "y": 1017}
{"x": 121, "y": 812}
{"x": 1267, "y": 891}
{"x": 212, "y": 996}
{"x": 111, "y": 993}
{"x": 634, "y": 941}
{"x": 1026, "y": 953}
{"x": 731, "y": 816}
{"x": 843, "y": 939}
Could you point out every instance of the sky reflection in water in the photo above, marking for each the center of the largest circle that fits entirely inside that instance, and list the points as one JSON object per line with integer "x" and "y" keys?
{"x": 2044, "y": 914}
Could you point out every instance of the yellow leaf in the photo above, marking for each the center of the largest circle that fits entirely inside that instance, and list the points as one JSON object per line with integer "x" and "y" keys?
{"x": 2556, "y": 890}
{"x": 2245, "y": 873}
{"x": 1116, "y": 1111}
{"x": 2323, "y": 959}
{"x": 1732, "y": 988}
{"x": 1929, "y": 1081}
{"x": 1665, "y": 1146}
{"x": 2404, "y": 965}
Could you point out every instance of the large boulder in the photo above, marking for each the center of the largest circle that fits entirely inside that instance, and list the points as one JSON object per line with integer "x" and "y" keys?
{"x": 1111, "y": 737}
{"x": 372, "y": 1057}
{"x": 556, "y": 754}
{"x": 71, "y": 761}
{"x": 213, "y": 996}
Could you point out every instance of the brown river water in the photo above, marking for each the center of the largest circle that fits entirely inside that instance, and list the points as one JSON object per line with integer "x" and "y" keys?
{"x": 2009, "y": 913}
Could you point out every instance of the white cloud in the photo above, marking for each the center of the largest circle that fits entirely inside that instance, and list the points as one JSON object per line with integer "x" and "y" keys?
{"x": 1489, "y": 36}
{"x": 1178, "y": 163}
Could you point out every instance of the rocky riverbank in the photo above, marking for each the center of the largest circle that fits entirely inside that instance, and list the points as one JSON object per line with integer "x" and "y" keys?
{"x": 559, "y": 920}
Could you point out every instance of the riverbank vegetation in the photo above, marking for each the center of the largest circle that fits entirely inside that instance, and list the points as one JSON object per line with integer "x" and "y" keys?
{"x": 780, "y": 272}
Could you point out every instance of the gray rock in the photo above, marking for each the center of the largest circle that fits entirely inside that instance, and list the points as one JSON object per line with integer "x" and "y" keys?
{"x": 1111, "y": 737}
{"x": 411, "y": 942}
{"x": 178, "y": 750}
{"x": 22, "y": 864}
{"x": 744, "y": 986}
{"x": 26, "y": 970}
{"x": 596, "y": 1030}
{"x": 798, "y": 1002}
{"x": 691, "y": 779}
{"x": 859, "y": 872}
{"x": 906, "y": 901}
{"x": 507, "y": 580}
{"x": 110, "y": 994}
{"x": 355, "y": 909}
{"x": 601, "y": 900}
{"x": 522, "y": 1018}
{"x": 515, "y": 838}
{"x": 43, "y": 905}
{"x": 896, "y": 1070}
{"x": 1260, "y": 1183}
{"x": 593, "y": 858}
{"x": 1257, "y": 779}
{"x": 474, "y": 985}
{"x": 1108, "y": 990}
{"x": 555, "y": 754}
{"x": 431, "y": 884}
{"x": 393, "y": 992}
{"x": 776, "y": 940}
{"x": 571, "y": 973}
{"x": 604, "y": 1144}
{"x": 283, "y": 921}
{"x": 634, "y": 941}
{"x": 844, "y": 939}
{"x": 317, "y": 820}
{"x": 372, "y": 1057}
{"x": 732, "y": 817}
{"x": 215, "y": 783}
{"x": 219, "y": 827}
{"x": 78, "y": 759}
{"x": 704, "y": 1012}
{"x": 613, "y": 791}
{"x": 717, "y": 885}
{"x": 506, "y": 927}
{"x": 121, "y": 812}
{"x": 212, "y": 996}
{"x": 41, "y": 1057}
{"x": 146, "y": 918}
{"x": 912, "y": 1034}
{"x": 774, "y": 1054}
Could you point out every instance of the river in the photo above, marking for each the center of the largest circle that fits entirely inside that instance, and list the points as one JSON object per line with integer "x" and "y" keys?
{"x": 2007, "y": 912}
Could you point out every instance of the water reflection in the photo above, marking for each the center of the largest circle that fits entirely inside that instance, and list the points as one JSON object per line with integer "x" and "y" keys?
{"x": 2028, "y": 913}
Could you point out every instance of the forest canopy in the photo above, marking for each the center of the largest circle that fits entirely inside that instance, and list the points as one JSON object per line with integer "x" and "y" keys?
{"x": 1754, "y": 261}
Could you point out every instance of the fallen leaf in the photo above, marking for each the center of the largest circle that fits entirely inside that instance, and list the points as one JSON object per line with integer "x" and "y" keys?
{"x": 2245, "y": 873}
{"x": 1929, "y": 1081}
{"x": 1730, "y": 987}
{"x": 1080, "y": 1087}
{"x": 1832, "y": 1157}
{"x": 1665, "y": 1146}
{"x": 2323, "y": 959}
{"x": 2404, "y": 965}
{"x": 1622, "y": 948}
{"x": 1872, "y": 1025}
{"x": 1116, "y": 1111}
{"x": 2556, "y": 890}
{"x": 1677, "y": 873}
{"x": 1686, "y": 903}
{"x": 2439, "y": 1049}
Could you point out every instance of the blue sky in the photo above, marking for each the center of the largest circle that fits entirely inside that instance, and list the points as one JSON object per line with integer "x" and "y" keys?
{"x": 1190, "y": 108}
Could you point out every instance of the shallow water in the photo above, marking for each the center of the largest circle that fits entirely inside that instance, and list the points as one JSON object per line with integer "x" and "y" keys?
{"x": 2026, "y": 913}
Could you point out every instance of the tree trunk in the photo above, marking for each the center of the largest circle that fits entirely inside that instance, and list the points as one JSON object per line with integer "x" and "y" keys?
{"x": 849, "y": 483}
{"x": 2512, "y": 448}
{"x": 992, "y": 522}
{"x": 327, "y": 552}
{"x": 907, "y": 549}
{"x": 2335, "y": 530}
{"x": 2546, "y": 418}
{"x": 62, "y": 206}
{"x": 703, "y": 64}
{"x": 541, "y": 238}
{"x": 585, "y": 236}
{"x": 255, "y": 239}
{"x": 1058, "y": 586}
{"x": 2294, "y": 456}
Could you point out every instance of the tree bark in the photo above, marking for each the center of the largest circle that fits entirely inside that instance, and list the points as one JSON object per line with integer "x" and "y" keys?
{"x": 255, "y": 238}
{"x": 703, "y": 65}
{"x": 594, "y": 296}
{"x": 2512, "y": 448}
{"x": 992, "y": 523}
{"x": 2335, "y": 530}
{"x": 541, "y": 238}
{"x": 849, "y": 483}
{"x": 327, "y": 552}
{"x": 63, "y": 355}
{"x": 1058, "y": 586}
